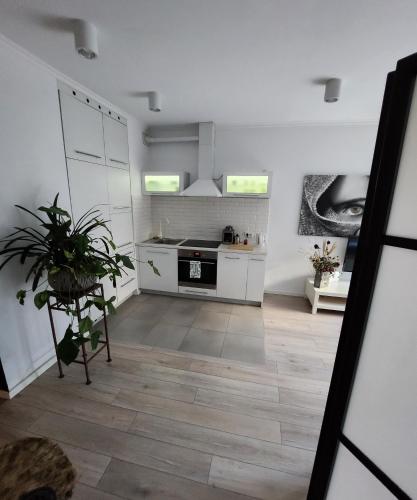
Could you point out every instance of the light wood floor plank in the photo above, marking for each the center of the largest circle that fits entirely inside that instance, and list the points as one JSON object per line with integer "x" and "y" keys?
{"x": 16, "y": 415}
{"x": 303, "y": 399}
{"x": 265, "y": 484}
{"x": 262, "y": 453}
{"x": 83, "y": 492}
{"x": 194, "y": 379}
{"x": 133, "y": 482}
{"x": 300, "y": 437}
{"x": 304, "y": 417}
{"x": 74, "y": 406}
{"x": 246, "y": 374}
{"x": 211, "y": 418}
{"x": 150, "y": 453}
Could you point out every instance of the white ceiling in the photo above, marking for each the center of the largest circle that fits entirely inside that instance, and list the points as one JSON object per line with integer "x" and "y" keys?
{"x": 230, "y": 61}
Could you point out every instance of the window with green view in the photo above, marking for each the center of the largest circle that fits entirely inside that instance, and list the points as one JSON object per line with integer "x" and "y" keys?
{"x": 162, "y": 183}
{"x": 247, "y": 184}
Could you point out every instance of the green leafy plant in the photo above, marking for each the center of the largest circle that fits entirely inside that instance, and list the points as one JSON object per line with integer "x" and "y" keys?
{"x": 66, "y": 259}
{"x": 322, "y": 259}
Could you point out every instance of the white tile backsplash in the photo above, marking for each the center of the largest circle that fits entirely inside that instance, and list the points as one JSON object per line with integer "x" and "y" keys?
{"x": 206, "y": 217}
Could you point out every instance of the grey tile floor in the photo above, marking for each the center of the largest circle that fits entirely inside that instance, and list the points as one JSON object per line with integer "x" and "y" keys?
{"x": 209, "y": 328}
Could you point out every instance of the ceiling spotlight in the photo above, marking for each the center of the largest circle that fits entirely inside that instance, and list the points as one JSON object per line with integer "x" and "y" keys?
{"x": 86, "y": 40}
{"x": 332, "y": 92}
{"x": 154, "y": 101}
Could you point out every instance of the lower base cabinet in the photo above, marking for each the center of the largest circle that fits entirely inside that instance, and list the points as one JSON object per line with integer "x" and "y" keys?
{"x": 241, "y": 276}
{"x": 166, "y": 261}
{"x": 232, "y": 271}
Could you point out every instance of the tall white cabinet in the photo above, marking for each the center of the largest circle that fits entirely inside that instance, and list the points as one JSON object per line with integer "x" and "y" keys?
{"x": 97, "y": 154}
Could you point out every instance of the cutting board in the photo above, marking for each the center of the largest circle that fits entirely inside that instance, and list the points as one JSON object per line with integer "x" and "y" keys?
{"x": 241, "y": 246}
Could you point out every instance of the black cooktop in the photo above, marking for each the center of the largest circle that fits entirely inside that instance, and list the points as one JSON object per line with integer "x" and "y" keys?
{"x": 201, "y": 243}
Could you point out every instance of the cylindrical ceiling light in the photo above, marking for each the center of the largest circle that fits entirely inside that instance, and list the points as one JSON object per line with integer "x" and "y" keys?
{"x": 86, "y": 40}
{"x": 332, "y": 92}
{"x": 155, "y": 101}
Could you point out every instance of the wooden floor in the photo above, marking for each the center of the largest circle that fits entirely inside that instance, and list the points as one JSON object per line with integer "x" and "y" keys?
{"x": 161, "y": 424}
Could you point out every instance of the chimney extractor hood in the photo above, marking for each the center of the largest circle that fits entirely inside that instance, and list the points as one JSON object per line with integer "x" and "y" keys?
{"x": 204, "y": 185}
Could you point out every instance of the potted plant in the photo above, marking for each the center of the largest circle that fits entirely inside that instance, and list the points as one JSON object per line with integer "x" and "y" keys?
{"x": 67, "y": 259}
{"x": 324, "y": 263}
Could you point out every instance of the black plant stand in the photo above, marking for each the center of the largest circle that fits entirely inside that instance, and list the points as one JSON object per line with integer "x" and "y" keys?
{"x": 61, "y": 303}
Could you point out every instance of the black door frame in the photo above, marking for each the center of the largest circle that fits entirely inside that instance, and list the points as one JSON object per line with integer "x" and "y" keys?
{"x": 388, "y": 147}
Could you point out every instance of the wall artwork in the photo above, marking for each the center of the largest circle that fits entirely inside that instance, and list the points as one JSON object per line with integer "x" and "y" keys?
{"x": 332, "y": 205}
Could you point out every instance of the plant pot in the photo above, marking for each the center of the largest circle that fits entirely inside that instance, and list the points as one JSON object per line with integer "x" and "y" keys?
{"x": 321, "y": 279}
{"x": 67, "y": 285}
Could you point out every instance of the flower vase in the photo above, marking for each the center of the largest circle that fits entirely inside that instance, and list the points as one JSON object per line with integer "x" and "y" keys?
{"x": 321, "y": 279}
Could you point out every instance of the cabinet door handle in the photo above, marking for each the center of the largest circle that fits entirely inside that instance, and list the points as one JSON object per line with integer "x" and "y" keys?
{"x": 122, "y": 206}
{"x": 202, "y": 261}
{"x": 87, "y": 154}
{"x": 232, "y": 258}
{"x": 127, "y": 282}
{"x": 258, "y": 260}
{"x": 124, "y": 244}
{"x": 161, "y": 253}
{"x": 118, "y": 161}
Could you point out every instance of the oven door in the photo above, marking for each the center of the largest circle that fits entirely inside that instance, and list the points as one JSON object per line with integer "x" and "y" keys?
{"x": 208, "y": 278}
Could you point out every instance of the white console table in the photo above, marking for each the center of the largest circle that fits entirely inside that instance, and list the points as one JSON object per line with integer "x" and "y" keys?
{"x": 331, "y": 297}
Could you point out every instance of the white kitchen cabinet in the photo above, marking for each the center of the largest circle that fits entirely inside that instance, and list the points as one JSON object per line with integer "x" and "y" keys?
{"x": 116, "y": 143}
{"x": 83, "y": 130}
{"x": 128, "y": 283}
{"x": 256, "y": 278}
{"x": 119, "y": 189}
{"x": 231, "y": 275}
{"x": 166, "y": 261}
{"x": 247, "y": 185}
{"x": 165, "y": 183}
{"x": 88, "y": 188}
{"x": 122, "y": 230}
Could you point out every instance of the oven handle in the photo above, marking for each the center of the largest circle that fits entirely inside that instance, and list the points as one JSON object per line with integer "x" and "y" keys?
{"x": 196, "y": 260}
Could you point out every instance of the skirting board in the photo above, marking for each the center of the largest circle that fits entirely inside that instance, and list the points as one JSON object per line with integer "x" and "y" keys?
{"x": 285, "y": 292}
{"x": 27, "y": 380}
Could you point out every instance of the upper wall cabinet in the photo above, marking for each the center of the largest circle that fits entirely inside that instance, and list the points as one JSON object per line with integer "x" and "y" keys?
{"x": 256, "y": 185}
{"x": 164, "y": 183}
{"x": 116, "y": 143}
{"x": 83, "y": 130}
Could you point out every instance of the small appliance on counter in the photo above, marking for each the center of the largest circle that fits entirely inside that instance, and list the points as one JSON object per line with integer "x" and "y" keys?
{"x": 228, "y": 235}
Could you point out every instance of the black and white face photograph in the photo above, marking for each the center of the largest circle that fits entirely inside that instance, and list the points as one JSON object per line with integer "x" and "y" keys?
{"x": 332, "y": 205}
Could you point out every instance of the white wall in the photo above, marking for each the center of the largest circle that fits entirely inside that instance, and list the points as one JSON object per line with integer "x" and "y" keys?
{"x": 205, "y": 218}
{"x": 33, "y": 169}
{"x": 290, "y": 153}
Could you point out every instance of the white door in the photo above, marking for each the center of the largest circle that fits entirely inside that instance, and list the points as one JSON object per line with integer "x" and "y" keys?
{"x": 116, "y": 143}
{"x": 232, "y": 269}
{"x": 83, "y": 130}
{"x": 122, "y": 229}
{"x": 119, "y": 189}
{"x": 256, "y": 277}
{"x": 166, "y": 261}
{"x": 88, "y": 189}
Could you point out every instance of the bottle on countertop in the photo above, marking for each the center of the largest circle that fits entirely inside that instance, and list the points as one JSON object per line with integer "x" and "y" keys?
{"x": 245, "y": 241}
{"x": 237, "y": 239}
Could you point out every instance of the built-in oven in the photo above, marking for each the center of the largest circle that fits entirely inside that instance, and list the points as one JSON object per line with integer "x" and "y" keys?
{"x": 197, "y": 269}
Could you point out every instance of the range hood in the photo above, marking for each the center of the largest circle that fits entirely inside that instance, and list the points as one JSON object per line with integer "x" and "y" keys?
{"x": 204, "y": 185}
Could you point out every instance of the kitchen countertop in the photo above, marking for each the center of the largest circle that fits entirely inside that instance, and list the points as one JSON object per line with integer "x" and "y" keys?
{"x": 257, "y": 250}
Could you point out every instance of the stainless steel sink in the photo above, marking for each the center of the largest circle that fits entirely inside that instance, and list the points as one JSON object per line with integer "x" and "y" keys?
{"x": 164, "y": 241}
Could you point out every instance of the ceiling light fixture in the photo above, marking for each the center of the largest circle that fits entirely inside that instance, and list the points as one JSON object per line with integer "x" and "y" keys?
{"x": 332, "y": 92}
{"x": 86, "y": 40}
{"x": 155, "y": 101}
